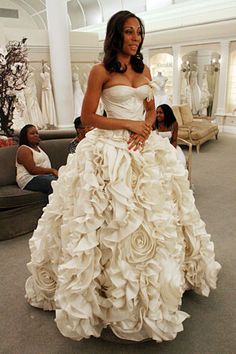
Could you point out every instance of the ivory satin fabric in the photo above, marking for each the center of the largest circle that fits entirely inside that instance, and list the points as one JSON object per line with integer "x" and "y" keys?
{"x": 121, "y": 238}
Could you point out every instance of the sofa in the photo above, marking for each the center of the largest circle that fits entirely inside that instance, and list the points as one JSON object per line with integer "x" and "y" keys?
{"x": 196, "y": 130}
{"x": 21, "y": 209}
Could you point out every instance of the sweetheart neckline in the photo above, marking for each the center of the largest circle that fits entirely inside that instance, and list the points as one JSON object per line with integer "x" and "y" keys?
{"x": 125, "y": 86}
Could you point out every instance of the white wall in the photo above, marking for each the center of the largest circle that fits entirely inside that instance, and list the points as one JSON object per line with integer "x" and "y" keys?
{"x": 24, "y": 20}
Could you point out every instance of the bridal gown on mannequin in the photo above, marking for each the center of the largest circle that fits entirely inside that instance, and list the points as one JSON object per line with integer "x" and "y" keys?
{"x": 48, "y": 106}
{"x": 160, "y": 96}
{"x": 78, "y": 94}
{"x": 34, "y": 112}
{"x": 121, "y": 239}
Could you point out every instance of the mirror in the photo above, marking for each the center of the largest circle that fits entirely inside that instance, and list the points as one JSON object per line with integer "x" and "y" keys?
{"x": 199, "y": 81}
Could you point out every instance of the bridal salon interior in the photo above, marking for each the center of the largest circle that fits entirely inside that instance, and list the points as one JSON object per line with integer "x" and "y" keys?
{"x": 190, "y": 49}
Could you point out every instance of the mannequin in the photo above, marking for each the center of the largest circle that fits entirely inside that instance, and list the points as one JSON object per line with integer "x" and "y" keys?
{"x": 161, "y": 97}
{"x": 48, "y": 106}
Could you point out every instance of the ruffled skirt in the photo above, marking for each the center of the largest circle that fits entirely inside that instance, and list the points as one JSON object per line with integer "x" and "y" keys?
{"x": 120, "y": 241}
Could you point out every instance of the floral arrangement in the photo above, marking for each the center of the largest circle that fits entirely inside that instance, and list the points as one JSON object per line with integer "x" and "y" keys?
{"x": 13, "y": 76}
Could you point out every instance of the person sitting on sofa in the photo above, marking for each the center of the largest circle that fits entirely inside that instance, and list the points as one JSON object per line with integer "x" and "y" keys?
{"x": 80, "y": 131}
{"x": 33, "y": 167}
{"x": 167, "y": 126}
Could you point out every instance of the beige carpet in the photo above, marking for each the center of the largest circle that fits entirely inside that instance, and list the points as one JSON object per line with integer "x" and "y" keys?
{"x": 211, "y": 328}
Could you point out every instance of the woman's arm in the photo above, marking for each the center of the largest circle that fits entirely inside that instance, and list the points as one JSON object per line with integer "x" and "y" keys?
{"x": 174, "y": 136}
{"x": 25, "y": 158}
{"x": 97, "y": 79}
{"x": 136, "y": 140}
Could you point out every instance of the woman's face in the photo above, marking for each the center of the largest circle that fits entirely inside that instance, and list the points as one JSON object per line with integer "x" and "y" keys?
{"x": 160, "y": 114}
{"x": 132, "y": 34}
{"x": 33, "y": 136}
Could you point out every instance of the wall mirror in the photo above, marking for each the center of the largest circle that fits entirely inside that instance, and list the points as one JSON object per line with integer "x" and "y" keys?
{"x": 199, "y": 80}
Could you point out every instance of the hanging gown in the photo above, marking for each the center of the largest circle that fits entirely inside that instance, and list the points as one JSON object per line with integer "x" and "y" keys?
{"x": 205, "y": 96}
{"x": 34, "y": 112}
{"x": 121, "y": 239}
{"x": 78, "y": 94}
{"x": 20, "y": 113}
{"x": 195, "y": 93}
{"x": 48, "y": 106}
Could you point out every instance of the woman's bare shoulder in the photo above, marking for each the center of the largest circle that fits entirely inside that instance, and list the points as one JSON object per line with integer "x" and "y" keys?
{"x": 146, "y": 72}
{"x": 99, "y": 69}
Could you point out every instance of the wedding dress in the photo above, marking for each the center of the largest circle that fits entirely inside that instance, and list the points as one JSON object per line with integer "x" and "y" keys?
{"x": 121, "y": 239}
{"x": 78, "y": 94}
{"x": 48, "y": 106}
{"x": 34, "y": 112}
{"x": 179, "y": 151}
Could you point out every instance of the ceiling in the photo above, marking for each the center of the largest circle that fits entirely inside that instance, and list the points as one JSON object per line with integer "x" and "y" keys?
{"x": 83, "y": 13}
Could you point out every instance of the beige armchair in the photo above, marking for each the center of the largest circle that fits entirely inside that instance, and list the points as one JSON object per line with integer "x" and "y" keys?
{"x": 193, "y": 130}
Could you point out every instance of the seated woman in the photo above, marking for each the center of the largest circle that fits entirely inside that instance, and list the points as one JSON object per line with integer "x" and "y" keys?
{"x": 33, "y": 167}
{"x": 167, "y": 126}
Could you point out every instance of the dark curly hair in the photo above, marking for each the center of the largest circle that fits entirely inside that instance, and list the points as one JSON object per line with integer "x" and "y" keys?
{"x": 23, "y": 139}
{"x": 114, "y": 40}
{"x": 169, "y": 117}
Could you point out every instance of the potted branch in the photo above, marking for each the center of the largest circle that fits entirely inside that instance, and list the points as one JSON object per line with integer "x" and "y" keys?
{"x": 13, "y": 76}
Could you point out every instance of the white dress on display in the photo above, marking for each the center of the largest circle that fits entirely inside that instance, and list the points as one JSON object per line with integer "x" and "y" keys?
{"x": 48, "y": 106}
{"x": 160, "y": 97}
{"x": 195, "y": 93}
{"x": 184, "y": 86}
{"x": 34, "y": 112}
{"x": 205, "y": 96}
{"x": 20, "y": 113}
{"x": 78, "y": 94}
{"x": 120, "y": 239}
{"x": 188, "y": 91}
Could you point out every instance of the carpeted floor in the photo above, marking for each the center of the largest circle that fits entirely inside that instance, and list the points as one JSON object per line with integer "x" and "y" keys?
{"x": 211, "y": 328}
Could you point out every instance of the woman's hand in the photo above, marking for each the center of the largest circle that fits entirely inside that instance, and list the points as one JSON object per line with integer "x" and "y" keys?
{"x": 136, "y": 142}
{"x": 140, "y": 128}
{"x": 54, "y": 172}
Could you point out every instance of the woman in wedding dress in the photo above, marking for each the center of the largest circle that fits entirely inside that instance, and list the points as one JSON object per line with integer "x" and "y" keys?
{"x": 121, "y": 239}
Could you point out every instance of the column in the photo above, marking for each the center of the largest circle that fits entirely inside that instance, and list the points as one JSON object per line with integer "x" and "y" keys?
{"x": 222, "y": 87}
{"x": 176, "y": 74}
{"x": 59, "y": 44}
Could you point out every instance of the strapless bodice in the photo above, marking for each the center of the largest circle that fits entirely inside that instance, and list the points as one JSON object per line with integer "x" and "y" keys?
{"x": 126, "y": 102}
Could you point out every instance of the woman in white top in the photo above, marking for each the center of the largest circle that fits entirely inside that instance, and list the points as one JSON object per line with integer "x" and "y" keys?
{"x": 33, "y": 167}
{"x": 167, "y": 126}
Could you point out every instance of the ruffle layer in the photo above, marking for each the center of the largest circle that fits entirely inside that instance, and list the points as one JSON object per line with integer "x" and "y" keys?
{"x": 120, "y": 241}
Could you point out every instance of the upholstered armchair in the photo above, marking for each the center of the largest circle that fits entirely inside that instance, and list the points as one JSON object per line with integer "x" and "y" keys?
{"x": 193, "y": 130}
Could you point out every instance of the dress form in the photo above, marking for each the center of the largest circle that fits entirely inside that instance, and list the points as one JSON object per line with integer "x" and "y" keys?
{"x": 160, "y": 97}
